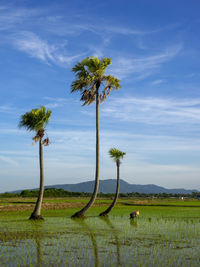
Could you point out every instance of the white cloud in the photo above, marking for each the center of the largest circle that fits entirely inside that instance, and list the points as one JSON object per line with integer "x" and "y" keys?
{"x": 84, "y": 140}
{"x": 27, "y": 41}
{"x": 22, "y": 153}
{"x": 141, "y": 68}
{"x": 72, "y": 148}
{"x": 125, "y": 30}
{"x": 6, "y": 109}
{"x": 12, "y": 17}
{"x": 55, "y": 102}
{"x": 9, "y": 160}
{"x": 57, "y": 99}
{"x": 60, "y": 25}
{"x": 154, "y": 110}
{"x": 156, "y": 82}
{"x": 35, "y": 47}
{"x": 32, "y": 45}
{"x": 11, "y": 131}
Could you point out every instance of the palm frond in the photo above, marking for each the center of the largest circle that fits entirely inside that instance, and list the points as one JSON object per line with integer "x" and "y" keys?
{"x": 112, "y": 81}
{"x": 35, "y": 119}
{"x": 46, "y": 142}
{"x": 36, "y": 138}
{"x": 116, "y": 154}
{"x": 88, "y": 97}
{"x": 89, "y": 75}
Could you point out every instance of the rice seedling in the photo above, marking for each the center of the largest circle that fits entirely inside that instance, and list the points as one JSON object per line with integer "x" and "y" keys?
{"x": 160, "y": 236}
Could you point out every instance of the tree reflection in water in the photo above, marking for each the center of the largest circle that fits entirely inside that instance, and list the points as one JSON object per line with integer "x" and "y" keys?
{"x": 92, "y": 235}
{"x": 39, "y": 251}
{"x": 114, "y": 232}
{"x": 38, "y": 234}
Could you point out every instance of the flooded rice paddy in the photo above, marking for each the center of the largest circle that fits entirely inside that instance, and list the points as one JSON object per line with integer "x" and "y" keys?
{"x": 116, "y": 241}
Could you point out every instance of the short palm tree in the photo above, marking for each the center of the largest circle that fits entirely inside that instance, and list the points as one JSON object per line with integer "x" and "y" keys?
{"x": 93, "y": 85}
{"x": 116, "y": 155}
{"x": 36, "y": 120}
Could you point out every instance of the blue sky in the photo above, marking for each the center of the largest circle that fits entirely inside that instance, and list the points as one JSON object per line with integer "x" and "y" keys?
{"x": 154, "y": 117}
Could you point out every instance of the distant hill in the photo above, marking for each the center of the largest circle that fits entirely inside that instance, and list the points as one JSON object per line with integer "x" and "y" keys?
{"x": 108, "y": 186}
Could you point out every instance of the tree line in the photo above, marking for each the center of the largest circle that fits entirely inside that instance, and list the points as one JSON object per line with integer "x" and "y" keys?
{"x": 59, "y": 192}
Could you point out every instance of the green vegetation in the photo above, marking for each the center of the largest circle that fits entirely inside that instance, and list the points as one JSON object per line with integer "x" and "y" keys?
{"x": 90, "y": 77}
{"x": 36, "y": 120}
{"x": 54, "y": 192}
{"x": 161, "y": 236}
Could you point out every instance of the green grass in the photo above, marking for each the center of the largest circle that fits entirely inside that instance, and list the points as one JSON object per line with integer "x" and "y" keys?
{"x": 143, "y": 201}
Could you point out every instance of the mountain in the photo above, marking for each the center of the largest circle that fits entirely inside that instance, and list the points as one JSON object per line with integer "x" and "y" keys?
{"x": 108, "y": 186}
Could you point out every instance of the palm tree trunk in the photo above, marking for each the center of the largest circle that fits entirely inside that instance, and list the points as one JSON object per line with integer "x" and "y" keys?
{"x": 81, "y": 213}
{"x": 37, "y": 211}
{"x": 105, "y": 213}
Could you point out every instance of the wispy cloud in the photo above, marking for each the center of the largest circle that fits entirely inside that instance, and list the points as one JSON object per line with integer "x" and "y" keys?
{"x": 126, "y": 30}
{"x": 141, "y": 68}
{"x": 12, "y": 131}
{"x": 61, "y": 25}
{"x": 35, "y": 47}
{"x": 9, "y": 109}
{"x": 12, "y": 17}
{"x": 54, "y": 102}
{"x": 24, "y": 38}
{"x": 156, "y": 82}
{"x": 68, "y": 140}
{"x": 6, "y": 109}
{"x": 154, "y": 110}
{"x": 9, "y": 161}
{"x": 70, "y": 146}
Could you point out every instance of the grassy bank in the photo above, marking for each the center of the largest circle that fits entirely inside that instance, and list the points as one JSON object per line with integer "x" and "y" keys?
{"x": 68, "y": 205}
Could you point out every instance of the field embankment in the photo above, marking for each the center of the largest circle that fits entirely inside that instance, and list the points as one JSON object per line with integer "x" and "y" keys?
{"x": 23, "y": 204}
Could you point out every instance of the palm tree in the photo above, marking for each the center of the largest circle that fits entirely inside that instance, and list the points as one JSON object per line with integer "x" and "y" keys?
{"x": 90, "y": 78}
{"x": 36, "y": 120}
{"x": 116, "y": 155}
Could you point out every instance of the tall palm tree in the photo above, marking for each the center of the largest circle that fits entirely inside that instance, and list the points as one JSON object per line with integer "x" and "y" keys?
{"x": 36, "y": 120}
{"x": 116, "y": 155}
{"x": 93, "y": 85}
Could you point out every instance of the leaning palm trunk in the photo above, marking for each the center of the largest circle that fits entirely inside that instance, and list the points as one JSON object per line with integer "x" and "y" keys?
{"x": 37, "y": 211}
{"x": 105, "y": 213}
{"x": 81, "y": 213}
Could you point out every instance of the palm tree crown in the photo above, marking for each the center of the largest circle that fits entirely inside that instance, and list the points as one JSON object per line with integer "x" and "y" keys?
{"x": 36, "y": 119}
{"x": 90, "y": 75}
{"x": 116, "y": 154}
